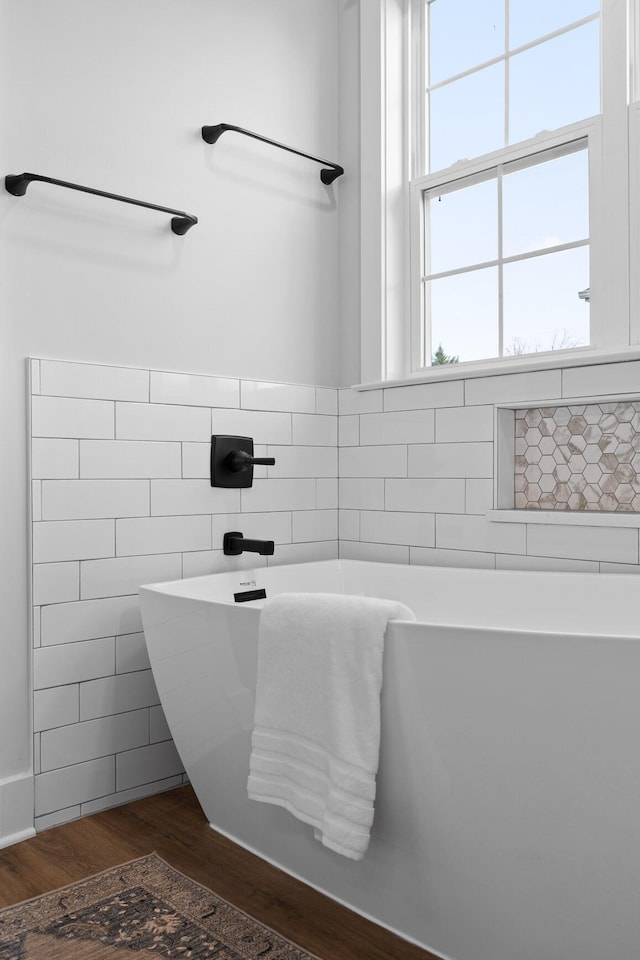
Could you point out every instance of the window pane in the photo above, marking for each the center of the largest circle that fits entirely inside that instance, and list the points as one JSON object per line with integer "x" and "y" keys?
{"x": 463, "y": 34}
{"x": 546, "y": 204}
{"x": 463, "y": 227}
{"x": 467, "y": 117}
{"x": 542, "y": 310}
{"x": 528, "y": 21}
{"x": 463, "y": 312}
{"x": 555, "y": 83}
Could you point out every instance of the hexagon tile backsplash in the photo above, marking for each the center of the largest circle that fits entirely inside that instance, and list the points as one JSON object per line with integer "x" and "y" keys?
{"x": 584, "y": 457}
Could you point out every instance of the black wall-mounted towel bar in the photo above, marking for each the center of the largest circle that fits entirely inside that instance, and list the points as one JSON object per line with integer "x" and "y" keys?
{"x": 17, "y": 183}
{"x": 212, "y": 134}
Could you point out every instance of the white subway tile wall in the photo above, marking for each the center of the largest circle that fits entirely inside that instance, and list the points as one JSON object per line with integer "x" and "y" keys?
{"x": 121, "y": 496}
{"x": 417, "y": 474}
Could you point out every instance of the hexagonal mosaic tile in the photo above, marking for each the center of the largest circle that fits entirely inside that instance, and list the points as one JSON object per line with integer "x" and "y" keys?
{"x": 583, "y": 457}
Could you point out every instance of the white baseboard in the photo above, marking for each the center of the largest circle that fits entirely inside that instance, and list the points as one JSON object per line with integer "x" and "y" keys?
{"x": 16, "y": 810}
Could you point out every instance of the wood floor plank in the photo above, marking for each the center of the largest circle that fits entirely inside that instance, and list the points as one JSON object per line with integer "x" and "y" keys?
{"x": 173, "y": 825}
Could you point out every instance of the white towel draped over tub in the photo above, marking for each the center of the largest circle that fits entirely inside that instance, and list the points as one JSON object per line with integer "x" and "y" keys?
{"x": 316, "y": 737}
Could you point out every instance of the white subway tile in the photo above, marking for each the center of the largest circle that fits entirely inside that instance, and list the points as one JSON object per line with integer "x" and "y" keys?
{"x": 204, "y": 562}
{"x": 309, "y": 525}
{"x": 119, "y": 576}
{"x": 91, "y": 739}
{"x": 421, "y": 396}
{"x": 389, "y": 461}
{"x": 90, "y": 619}
{"x": 197, "y": 391}
{"x": 327, "y": 400}
{"x": 155, "y": 421}
{"x": 533, "y": 387}
{"x": 293, "y": 462}
{"x": 64, "y": 417}
{"x": 131, "y": 653}
{"x": 67, "y": 379}
{"x": 56, "y": 707}
{"x": 514, "y": 562}
{"x": 313, "y": 430}
{"x": 36, "y": 500}
{"x": 464, "y": 424}
{"x": 35, "y": 625}
{"x": 327, "y": 493}
{"x": 34, "y": 376}
{"x": 196, "y": 461}
{"x": 118, "y": 694}
{"x": 304, "y": 552}
{"x": 349, "y": 524}
{"x": 479, "y": 496}
{"x": 361, "y": 494}
{"x": 94, "y": 499}
{"x": 375, "y": 552}
{"x": 158, "y": 726}
{"x": 261, "y": 427}
{"x": 349, "y": 431}
{"x": 183, "y": 497}
{"x": 54, "y": 459}
{"x": 259, "y": 526}
{"x": 155, "y": 762}
{"x": 405, "y": 426}
{"x": 36, "y": 753}
{"x": 617, "y": 545}
{"x": 425, "y": 496}
{"x": 258, "y": 395}
{"x": 56, "y": 582}
{"x": 412, "y": 529}
{"x": 57, "y": 818}
{"x": 162, "y": 535}
{"x": 72, "y": 785}
{"x": 601, "y": 379}
{"x": 435, "y": 557}
{"x": 268, "y": 495}
{"x": 73, "y": 663}
{"x": 478, "y": 534}
{"x": 128, "y": 796}
{"x": 129, "y": 459}
{"x": 605, "y": 567}
{"x": 451, "y": 460}
{"x": 359, "y": 401}
{"x": 73, "y": 540}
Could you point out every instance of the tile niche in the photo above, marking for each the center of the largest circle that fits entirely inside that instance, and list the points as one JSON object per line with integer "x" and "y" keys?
{"x": 578, "y": 457}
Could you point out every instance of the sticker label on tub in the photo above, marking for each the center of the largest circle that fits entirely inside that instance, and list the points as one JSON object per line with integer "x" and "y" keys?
{"x": 246, "y": 595}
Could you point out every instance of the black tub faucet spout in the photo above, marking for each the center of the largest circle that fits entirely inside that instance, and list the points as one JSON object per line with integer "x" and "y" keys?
{"x": 234, "y": 544}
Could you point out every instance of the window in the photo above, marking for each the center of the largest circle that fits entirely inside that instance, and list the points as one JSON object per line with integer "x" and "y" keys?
{"x": 521, "y": 173}
{"x": 507, "y": 227}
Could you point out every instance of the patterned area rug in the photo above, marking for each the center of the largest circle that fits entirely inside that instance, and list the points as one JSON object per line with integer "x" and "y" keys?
{"x": 143, "y": 910}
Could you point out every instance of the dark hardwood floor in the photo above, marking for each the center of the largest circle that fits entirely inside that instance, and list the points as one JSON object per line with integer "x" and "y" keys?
{"x": 172, "y": 824}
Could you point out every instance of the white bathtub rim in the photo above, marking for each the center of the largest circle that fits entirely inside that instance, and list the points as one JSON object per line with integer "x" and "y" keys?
{"x": 331, "y": 896}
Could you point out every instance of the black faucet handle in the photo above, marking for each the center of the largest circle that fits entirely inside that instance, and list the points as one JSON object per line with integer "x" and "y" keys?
{"x": 239, "y": 460}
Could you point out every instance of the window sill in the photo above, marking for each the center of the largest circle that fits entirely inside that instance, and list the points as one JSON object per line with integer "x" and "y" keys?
{"x": 566, "y": 517}
{"x": 530, "y": 364}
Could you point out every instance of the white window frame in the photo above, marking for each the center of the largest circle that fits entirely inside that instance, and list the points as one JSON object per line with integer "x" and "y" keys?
{"x": 392, "y": 108}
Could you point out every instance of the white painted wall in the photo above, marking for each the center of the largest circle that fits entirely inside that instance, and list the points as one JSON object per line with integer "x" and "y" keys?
{"x": 112, "y": 94}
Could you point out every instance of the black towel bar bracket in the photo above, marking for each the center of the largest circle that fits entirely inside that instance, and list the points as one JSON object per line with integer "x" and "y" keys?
{"x": 17, "y": 184}
{"x": 331, "y": 172}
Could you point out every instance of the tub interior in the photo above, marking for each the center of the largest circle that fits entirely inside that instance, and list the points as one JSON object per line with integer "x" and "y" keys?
{"x": 578, "y": 603}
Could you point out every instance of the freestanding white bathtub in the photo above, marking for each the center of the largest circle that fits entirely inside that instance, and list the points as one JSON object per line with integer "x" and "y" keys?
{"x": 507, "y": 816}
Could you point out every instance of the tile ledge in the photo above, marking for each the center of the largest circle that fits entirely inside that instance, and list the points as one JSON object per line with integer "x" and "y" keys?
{"x": 566, "y": 517}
